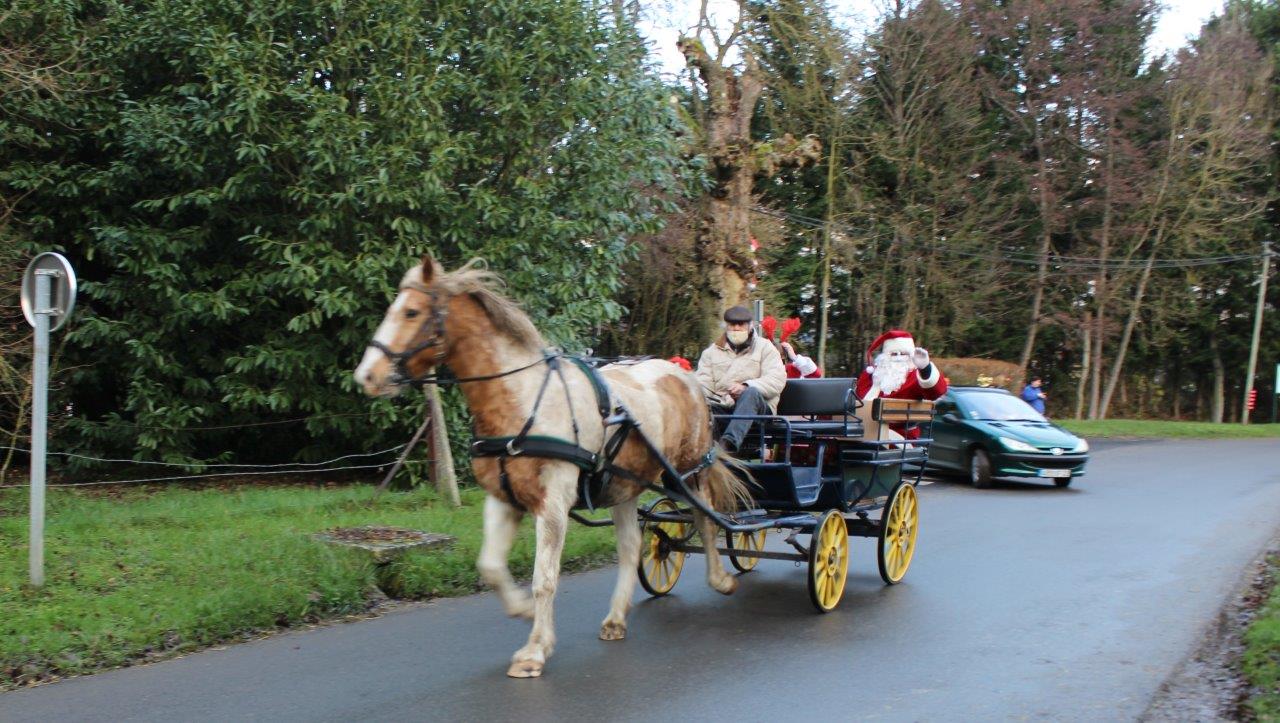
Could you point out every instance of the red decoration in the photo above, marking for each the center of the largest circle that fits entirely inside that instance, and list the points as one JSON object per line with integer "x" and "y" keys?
{"x": 768, "y": 325}
{"x": 681, "y": 362}
{"x": 790, "y": 326}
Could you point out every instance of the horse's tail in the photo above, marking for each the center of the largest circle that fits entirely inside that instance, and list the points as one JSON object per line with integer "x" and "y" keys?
{"x": 724, "y": 489}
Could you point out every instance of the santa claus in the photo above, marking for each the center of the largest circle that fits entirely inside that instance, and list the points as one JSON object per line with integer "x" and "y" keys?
{"x": 898, "y": 369}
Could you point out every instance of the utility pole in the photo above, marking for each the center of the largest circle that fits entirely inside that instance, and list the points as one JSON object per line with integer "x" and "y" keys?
{"x": 1257, "y": 331}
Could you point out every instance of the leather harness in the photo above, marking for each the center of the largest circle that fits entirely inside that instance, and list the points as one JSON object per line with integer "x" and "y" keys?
{"x": 596, "y": 469}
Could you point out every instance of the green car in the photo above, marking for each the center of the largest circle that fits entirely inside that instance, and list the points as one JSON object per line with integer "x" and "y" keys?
{"x": 986, "y": 433}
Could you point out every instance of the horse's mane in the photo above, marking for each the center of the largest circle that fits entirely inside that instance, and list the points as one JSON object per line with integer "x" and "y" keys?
{"x": 483, "y": 285}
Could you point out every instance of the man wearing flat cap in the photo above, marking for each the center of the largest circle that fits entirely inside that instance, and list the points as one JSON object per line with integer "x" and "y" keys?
{"x": 740, "y": 373}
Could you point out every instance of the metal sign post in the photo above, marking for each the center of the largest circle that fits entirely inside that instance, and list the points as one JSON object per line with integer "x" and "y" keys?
{"x": 48, "y": 290}
{"x": 1275, "y": 392}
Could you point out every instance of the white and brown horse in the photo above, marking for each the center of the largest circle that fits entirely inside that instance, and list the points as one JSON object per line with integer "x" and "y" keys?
{"x": 459, "y": 319}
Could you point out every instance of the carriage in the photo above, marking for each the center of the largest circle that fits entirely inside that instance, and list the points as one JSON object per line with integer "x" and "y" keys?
{"x": 812, "y": 470}
{"x": 556, "y": 433}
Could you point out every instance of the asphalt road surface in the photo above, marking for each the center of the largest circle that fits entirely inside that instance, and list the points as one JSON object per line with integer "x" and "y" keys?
{"x": 1023, "y": 602}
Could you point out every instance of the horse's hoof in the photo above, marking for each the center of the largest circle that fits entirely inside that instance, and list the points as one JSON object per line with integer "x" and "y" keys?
{"x": 525, "y": 669}
{"x": 726, "y": 586}
{"x": 613, "y": 631}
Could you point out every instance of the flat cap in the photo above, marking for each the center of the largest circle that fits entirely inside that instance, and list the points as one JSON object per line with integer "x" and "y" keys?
{"x": 737, "y": 314}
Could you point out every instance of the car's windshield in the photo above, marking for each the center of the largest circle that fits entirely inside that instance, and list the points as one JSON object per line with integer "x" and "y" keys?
{"x": 998, "y": 407}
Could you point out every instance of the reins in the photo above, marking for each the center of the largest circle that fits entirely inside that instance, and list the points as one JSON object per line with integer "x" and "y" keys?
{"x": 596, "y": 468}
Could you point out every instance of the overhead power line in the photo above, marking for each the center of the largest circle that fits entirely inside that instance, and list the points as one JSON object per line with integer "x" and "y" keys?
{"x": 1018, "y": 256}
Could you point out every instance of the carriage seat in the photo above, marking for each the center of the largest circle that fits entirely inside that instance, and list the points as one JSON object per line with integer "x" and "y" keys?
{"x": 894, "y": 412}
{"x": 805, "y": 400}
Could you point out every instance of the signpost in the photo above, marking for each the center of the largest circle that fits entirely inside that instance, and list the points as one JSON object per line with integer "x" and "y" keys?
{"x": 48, "y": 296}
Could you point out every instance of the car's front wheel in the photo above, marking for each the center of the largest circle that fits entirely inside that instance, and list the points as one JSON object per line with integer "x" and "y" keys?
{"x": 980, "y": 468}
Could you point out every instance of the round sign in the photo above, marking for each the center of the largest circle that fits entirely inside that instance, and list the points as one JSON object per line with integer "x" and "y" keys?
{"x": 62, "y": 288}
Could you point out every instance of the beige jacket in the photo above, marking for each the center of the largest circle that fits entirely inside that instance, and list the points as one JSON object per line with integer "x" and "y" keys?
{"x": 760, "y": 366}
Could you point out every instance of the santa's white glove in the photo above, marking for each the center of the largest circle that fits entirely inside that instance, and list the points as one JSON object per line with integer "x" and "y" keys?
{"x": 921, "y": 358}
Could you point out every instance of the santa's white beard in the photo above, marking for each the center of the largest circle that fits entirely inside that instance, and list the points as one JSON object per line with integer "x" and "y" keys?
{"x": 890, "y": 373}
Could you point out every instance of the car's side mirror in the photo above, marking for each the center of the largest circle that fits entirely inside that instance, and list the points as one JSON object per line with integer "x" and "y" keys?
{"x": 950, "y": 418}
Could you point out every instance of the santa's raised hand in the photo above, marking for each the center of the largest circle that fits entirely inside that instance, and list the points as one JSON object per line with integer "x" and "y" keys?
{"x": 921, "y": 358}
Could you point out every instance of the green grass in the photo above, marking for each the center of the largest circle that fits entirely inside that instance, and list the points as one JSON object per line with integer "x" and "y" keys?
{"x": 1262, "y": 656}
{"x": 140, "y": 575}
{"x": 1165, "y": 429}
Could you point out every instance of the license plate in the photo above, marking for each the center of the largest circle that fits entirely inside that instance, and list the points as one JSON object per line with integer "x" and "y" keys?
{"x": 1053, "y": 473}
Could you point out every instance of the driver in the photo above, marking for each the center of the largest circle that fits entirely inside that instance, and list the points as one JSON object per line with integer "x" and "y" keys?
{"x": 740, "y": 373}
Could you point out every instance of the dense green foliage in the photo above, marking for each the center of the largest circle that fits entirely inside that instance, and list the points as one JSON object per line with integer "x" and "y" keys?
{"x": 241, "y": 184}
{"x": 146, "y": 589}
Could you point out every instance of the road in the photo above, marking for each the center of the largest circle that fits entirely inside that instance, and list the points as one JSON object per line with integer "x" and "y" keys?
{"x": 1023, "y": 602}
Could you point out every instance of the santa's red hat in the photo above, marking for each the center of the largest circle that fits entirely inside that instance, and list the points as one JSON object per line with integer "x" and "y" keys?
{"x": 894, "y": 339}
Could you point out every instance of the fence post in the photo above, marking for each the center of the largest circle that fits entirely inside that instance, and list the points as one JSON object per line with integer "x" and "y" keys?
{"x": 442, "y": 457}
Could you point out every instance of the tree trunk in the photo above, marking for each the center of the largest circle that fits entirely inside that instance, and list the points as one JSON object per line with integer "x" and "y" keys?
{"x": 1086, "y": 335}
{"x": 1129, "y": 324}
{"x": 1219, "y": 381}
{"x": 1100, "y": 285}
{"x": 824, "y": 257}
{"x": 1042, "y": 270}
{"x": 724, "y": 228}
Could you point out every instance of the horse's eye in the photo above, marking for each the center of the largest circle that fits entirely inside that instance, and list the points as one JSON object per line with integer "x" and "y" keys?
{"x": 412, "y": 313}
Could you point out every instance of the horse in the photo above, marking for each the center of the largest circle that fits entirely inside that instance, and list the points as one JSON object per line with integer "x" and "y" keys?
{"x": 462, "y": 320}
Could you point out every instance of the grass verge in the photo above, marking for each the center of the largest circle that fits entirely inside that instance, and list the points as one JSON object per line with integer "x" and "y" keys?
{"x": 1261, "y": 660}
{"x": 144, "y": 574}
{"x": 1166, "y": 429}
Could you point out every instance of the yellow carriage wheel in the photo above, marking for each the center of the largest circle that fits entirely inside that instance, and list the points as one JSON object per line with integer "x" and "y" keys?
{"x": 828, "y": 561}
{"x": 899, "y": 528}
{"x": 753, "y": 541}
{"x": 660, "y": 565}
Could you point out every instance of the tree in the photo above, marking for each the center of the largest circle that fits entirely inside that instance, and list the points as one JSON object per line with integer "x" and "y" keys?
{"x": 248, "y": 180}
{"x": 934, "y": 191}
{"x": 724, "y": 114}
{"x": 1204, "y": 198}
{"x": 811, "y": 91}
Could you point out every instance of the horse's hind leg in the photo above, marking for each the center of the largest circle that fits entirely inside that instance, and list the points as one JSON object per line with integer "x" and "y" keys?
{"x": 717, "y": 577}
{"x": 628, "y": 530}
{"x": 552, "y": 521}
{"x": 501, "y": 521}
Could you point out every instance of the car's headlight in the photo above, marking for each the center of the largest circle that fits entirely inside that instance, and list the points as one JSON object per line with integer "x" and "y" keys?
{"x": 1017, "y": 445}
{"x": 1082, "y": 446}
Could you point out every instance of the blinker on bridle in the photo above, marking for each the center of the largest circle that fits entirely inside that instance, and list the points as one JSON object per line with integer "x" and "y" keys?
{"x": 432, "y": 328}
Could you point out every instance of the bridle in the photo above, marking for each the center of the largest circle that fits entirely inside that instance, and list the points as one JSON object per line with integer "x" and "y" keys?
{"x": 432, "y": 328}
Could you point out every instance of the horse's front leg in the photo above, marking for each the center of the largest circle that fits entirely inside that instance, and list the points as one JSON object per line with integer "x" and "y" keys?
{"x": 627, "y": 527}
{"x": 717, "y": 577}
{"x": 501, "y": 522}
{"x": 552, "y": 520}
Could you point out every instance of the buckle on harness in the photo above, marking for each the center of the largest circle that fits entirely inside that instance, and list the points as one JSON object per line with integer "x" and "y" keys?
{"x": 511, "y": 448}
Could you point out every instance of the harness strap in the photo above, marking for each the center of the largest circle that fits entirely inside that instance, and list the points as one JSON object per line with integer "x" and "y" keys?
{"x": 598, "y": 384}
{"x": 534, "y": 445}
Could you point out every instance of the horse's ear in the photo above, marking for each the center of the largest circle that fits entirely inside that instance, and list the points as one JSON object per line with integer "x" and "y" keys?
{"x": 428, "y": 268}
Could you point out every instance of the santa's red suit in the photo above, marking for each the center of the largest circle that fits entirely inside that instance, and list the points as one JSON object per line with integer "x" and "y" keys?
{"x": 919, "y": 383}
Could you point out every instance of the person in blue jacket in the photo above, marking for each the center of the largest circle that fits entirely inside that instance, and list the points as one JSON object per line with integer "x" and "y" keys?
{"x": 1032, "y": 395}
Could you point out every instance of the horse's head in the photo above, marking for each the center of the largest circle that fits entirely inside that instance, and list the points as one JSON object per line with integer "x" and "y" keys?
{"x": 410, "y": 341}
